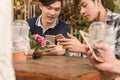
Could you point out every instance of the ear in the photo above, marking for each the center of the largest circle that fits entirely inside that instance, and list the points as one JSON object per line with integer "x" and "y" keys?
{"x": 40, "y": 5}
{"x": 97, "y": 2}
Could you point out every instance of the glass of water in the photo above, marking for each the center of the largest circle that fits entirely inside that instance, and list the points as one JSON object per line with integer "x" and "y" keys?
{"x": 98, "y": 32}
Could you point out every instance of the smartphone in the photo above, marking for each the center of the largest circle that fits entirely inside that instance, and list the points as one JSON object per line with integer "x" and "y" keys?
{"x": 59, "y": 36}
{"x": 91, "y": 45}
{"x": 50, "y": 38}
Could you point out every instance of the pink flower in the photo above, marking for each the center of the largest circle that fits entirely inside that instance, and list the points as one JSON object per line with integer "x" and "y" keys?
{"x": 41, "y": 41}
{"x": 36, "y": 36}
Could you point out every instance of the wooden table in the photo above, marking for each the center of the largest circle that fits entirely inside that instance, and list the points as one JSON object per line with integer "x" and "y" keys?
{"x": 56, "y": 68}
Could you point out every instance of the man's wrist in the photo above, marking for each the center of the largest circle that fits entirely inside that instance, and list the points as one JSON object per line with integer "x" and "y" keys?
{"x": 116, "y": 67}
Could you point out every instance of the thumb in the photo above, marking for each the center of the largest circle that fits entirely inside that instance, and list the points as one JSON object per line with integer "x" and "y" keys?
{"x": 70, "y": 36}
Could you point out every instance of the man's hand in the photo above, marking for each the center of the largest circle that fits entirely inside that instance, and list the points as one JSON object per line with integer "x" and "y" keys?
{"x": 72, "y": 44}
{"x": 54, "y": 50}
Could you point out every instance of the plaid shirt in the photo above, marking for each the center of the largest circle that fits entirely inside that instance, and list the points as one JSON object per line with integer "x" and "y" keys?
{"x": 113, "y": 20}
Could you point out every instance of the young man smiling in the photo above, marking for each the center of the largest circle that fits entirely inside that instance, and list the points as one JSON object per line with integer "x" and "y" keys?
{"x": 48, "y": 23}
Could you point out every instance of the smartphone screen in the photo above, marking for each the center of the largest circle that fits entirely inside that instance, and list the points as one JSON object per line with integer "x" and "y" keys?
{"x": 50, "y": 38}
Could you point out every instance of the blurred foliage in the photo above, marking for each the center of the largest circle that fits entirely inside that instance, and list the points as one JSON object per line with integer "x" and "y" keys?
{"x": 19, "y": 10}
{"x": 109, "y": 4}
{"x": 117, "y": 6}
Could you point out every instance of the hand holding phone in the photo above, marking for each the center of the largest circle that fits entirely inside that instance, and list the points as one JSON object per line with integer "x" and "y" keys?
{"x": 59, "y": 36}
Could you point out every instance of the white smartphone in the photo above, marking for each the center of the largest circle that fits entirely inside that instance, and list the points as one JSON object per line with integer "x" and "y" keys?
{"x": 50, "y": 38}
{"x": 91, "y": 45}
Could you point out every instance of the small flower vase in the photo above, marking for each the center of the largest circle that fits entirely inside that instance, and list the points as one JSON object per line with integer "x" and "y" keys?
{"x": 37, "y": 54}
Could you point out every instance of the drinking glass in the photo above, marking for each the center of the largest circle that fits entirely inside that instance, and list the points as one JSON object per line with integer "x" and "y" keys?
{"x": 98, "y": 32}
{"x": 20, "y": 39}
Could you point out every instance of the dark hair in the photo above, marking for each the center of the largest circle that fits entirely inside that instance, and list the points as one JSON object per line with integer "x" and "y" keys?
{"x": 48, "y": 2}
{"x": 78, "y": 1}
